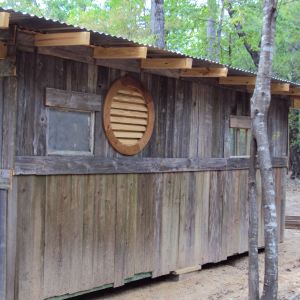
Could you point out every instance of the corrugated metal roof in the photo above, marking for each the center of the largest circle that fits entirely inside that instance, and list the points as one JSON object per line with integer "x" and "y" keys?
{"x": 42, "y": 24}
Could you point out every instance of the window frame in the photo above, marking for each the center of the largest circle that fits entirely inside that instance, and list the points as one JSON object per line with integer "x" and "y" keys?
{"x": 240, "y": 122}
{"x": 70, "y": 152}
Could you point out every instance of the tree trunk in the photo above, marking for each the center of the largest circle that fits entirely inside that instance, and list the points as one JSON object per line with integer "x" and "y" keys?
{"x": 211, "y": 35}
{"x": 219, "y": 31}
{"x": 255, "y": 55}
{"x": 260, "y": 103}
{"x": 158, "y": 22}
{"x": 253, "y": 279}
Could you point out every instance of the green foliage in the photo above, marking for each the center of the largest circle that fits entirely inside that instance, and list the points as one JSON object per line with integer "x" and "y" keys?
{"x": 186, "y": 26}
{"x": 294, "y": 124}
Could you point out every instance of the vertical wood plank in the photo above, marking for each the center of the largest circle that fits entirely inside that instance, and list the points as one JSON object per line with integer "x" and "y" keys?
{"x": 9, "y": 122}
{"x": 58, "y": 228}
{"x": 31, "y": 212}
{"x": 3, "y": 246}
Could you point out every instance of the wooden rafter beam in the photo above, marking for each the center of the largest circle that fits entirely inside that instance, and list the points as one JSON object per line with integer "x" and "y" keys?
{"x": 166, "y": 63}
{"x": 238, "y": 80}
{"x": 250, "y": 82}
{"x": 3, "y": 50}
{"x": 120, "y": 52}
{"x": 296, "y": 103}
{"x": 62, "y": 39}
{"x": 4, "y": 20}
{"x": 294, "y": 91}
{"x": 204, "y": 72}
{"x": 277, "y": 89}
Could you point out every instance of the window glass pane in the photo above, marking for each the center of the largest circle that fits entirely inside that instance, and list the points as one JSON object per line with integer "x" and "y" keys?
{"x": 243, "y": 143}
{"x": 69, "y": 131}
{"x": 233, "y": 141}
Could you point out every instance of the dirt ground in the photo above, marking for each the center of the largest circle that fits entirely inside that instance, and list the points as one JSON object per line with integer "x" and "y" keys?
{"x": 227, "y": 280}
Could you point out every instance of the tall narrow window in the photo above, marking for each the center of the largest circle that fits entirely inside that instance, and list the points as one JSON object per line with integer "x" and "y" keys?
{"x": 240, "y": 133}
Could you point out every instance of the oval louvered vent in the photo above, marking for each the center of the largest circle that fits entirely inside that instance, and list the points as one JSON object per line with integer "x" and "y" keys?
{"x": 128, "y": 116}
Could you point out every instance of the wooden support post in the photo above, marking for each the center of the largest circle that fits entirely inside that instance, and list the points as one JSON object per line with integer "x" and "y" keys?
{"x": 3, "y": 248}
{"x": 62, "y": 39}
{"x": 204, "y": 72}
{"x": 4, "y": 20}
{"x": 120, "y": 52}
{"x": 167, "y": 63}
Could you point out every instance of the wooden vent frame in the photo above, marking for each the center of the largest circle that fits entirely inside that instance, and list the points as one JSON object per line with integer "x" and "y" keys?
{"x": 128, "y": 116}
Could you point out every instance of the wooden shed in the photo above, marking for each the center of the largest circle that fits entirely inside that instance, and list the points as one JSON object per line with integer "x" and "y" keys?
{"x": 120, "y": 161}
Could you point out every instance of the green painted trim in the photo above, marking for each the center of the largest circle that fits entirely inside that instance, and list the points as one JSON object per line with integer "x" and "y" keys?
{"x": 138, "y": 276}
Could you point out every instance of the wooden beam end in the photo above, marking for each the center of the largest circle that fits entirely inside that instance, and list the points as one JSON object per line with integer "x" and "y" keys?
{"x": 4, "y": 20}
{"x": 205, "y": 72}
{"x": 120, "y": 52}
{"x": 62, "y": 39}
{"x": 166, "y": 63}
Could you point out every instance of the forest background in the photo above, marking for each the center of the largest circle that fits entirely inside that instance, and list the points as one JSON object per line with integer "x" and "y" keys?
{"x": 227, "y": 31}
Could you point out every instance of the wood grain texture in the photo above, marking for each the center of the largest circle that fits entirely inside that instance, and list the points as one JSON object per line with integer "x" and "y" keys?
{"x": 76, "y": 226}
{"x": 3, "y": 242}
{"x": 142, "y": 112}
{"x": 73, "y": 100}
{"x": 120, "y": 52}
{"x": 4, "y": 20}
{"x": 204, "y": 72}
{"x": 62, "y": 39}
{"x": 8, "y": 67}
{"x": 190, "y": 117}
{"x": 240, "y": 122}
{"x": 3, "y": 50}
{"x": 51, "y": 165}
{"x": 166, "y": 63}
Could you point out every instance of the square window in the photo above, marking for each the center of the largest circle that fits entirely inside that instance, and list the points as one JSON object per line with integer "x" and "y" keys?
{"x": 70, "y": 132}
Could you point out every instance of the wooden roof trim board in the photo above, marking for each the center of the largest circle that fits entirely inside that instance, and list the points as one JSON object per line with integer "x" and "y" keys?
{"x": 205, "y": 72}
{"x": 166, "y": 63}
{"x": 120, "y": 52}
{"x": 4, "y": 20}
{"x": 250, "y": 81}
{"x": 62, "y": 39}
{"x": 238, "y": 80}
{"x": 276, "y": 88}
{"x": 104, "y": 39}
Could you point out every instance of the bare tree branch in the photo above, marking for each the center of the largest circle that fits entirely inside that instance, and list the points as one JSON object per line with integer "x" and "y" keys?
{"x": 240, "y": 32}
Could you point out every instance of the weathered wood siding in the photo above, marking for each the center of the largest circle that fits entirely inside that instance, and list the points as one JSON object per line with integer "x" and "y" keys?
{"x": 80, "y": 232}
{"x": 192, "y": 119}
